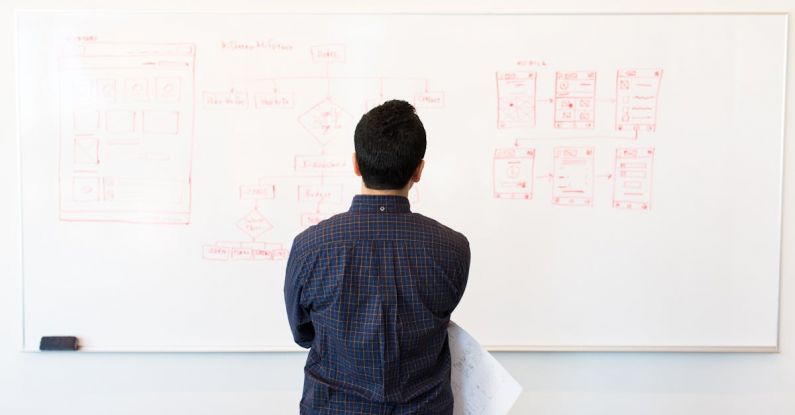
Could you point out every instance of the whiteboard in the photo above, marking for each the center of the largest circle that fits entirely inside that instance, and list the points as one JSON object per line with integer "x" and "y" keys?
{"x": 618, "y": 176}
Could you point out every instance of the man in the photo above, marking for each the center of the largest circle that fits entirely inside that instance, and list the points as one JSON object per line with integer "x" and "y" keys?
{"x": 370, "y": 291}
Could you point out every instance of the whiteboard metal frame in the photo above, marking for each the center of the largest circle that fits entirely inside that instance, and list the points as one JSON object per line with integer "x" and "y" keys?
{"x": 19, "y": 184}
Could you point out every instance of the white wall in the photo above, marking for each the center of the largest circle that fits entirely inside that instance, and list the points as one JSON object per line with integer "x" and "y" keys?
{"x": 554, "y": 383}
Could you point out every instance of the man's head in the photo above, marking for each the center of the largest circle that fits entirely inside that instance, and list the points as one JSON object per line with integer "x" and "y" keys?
{"x": 390, "y": 145}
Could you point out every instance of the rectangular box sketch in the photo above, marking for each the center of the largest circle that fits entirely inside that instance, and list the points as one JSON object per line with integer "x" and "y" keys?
{"x": 257, "y": 192}
{"x": 86, "y": 151}
{"x": 161, "y": 122}
{"x": 144, "y": 193}
{"x": 168, "y": 89}
{"x": 85, "y": 121}
{"x": 636, "y": 99}
{"x": 575, "y": 99}
{"x": 120, "y": 121}
{"x": 516, "y": 99}
{"x": 114, "y": 95}
{"x": 326, "y": 164}
{"x": 429, "y": 99}
{"x": 573, "y": 176}
{"x": 320, "y": 193}
{"x": 225, "y": 99}
{"x": 244, "y": 251}
{"x": 85, "y": 189}
{"x": 633, "y": 178}
{"x": 513, "y": 173}
{"x": 328, "y": 53}
{"x": 273, "y": 100}
{"x": 137, "y": 89}
{"x": 107, "y": 90}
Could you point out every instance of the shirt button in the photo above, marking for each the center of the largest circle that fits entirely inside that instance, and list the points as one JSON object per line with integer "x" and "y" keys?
{"x": 382, "y": 208}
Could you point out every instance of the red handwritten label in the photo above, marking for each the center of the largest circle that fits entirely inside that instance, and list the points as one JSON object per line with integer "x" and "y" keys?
{"x": 270, "y": 45}
{"x": 328, "y": 53}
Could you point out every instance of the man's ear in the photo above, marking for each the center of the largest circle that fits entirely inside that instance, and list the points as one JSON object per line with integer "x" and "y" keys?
{"x": 356, "y": 165}
{"x": 418, "y": 172}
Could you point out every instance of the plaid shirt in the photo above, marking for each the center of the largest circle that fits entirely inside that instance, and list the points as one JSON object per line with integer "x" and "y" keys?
{"x": 370, "y": 292}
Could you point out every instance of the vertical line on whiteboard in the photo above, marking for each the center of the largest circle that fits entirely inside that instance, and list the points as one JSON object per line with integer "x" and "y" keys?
{"x": 19, "y": 184}
{"x": 782, "y": 170}
{"x": 328, "y": 80}
{"x": 192, "y": 133}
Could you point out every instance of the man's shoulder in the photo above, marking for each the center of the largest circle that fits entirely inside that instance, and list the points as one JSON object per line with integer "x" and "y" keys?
{"x": 347, "y": 225}
{"x": 321, "y": 231}
{"x": 445, "y": 232}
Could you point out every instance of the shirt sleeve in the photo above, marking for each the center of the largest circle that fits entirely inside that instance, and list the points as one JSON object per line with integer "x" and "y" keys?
{"x": 299, "y": 317}
{"x": 465, "y": 261}
{"x": 463, "y": 272}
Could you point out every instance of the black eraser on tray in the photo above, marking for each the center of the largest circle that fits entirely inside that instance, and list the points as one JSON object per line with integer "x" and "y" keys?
{"x": 58, "y": 343}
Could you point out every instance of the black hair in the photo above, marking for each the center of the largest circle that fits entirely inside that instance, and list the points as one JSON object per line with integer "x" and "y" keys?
{"x": 390, "y": 144}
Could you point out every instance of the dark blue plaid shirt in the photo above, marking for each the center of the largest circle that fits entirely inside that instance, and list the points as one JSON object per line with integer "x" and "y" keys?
{"x": 370, "y": 292}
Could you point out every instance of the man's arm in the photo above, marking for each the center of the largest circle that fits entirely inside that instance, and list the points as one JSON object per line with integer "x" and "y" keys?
{"x": 464, "y": 276}
{"x": 462, "y": 270}
{"x": 299, "y": 317}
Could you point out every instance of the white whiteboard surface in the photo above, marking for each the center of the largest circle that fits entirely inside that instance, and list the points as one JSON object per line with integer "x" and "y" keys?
{"x": 168, "y": 160}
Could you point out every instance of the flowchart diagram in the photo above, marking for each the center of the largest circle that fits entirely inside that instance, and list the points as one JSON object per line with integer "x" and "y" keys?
{"x": 128, "y": 118}
{"x": 319, "y": 182}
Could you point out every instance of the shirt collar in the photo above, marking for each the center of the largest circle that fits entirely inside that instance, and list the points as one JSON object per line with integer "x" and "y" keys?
{"x": 380, "y": 204}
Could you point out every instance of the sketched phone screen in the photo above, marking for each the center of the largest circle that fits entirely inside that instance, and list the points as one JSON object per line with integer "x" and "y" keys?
{"x": 126, "y": 132}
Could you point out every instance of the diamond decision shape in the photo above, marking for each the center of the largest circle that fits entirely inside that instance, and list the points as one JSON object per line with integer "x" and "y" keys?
{"x": 254, "y": 224}
{"x": 326, "y": 121}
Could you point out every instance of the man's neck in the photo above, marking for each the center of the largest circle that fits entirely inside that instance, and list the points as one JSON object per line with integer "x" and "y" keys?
{"x": 389, "y": 192}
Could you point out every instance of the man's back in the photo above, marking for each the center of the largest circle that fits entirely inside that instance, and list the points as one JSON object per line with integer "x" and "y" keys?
{"x": 371, "y": 291}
